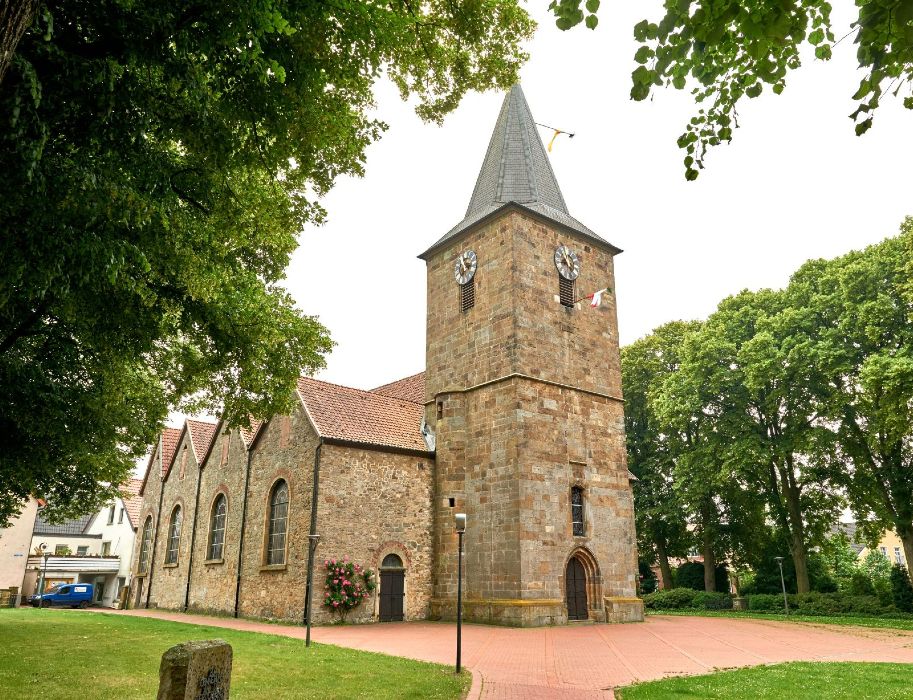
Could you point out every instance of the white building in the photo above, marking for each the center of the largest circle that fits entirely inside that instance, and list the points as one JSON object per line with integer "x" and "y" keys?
{"x": 95, "y": 549}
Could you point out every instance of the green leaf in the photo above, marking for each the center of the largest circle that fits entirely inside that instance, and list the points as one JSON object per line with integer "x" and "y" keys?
{"x": 823, "y": 52}
{"x": 592, "y": 6}
{"x": 863, "y": 126}
{"x": 644, "y": 54}
{"x": 591, "y": 21}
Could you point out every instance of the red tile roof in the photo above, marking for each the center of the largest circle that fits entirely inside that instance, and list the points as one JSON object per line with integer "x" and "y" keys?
{"x": 408, "y": 389}
{"x": 133, "y": 501}
{"x": 170, "y": 439}
{"x": 250, "y": 435}
{"x": 201, "y": 435}
{"x": 353, "y": 415}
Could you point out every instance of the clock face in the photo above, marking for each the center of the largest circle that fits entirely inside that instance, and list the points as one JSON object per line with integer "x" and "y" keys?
{"x": 567, "y": 262}
{"x": 465, "y": 267}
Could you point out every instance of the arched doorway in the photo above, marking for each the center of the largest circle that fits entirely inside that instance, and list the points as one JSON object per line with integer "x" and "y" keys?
{"x": 392, "y": 588}
{"x": 575, "y": 590}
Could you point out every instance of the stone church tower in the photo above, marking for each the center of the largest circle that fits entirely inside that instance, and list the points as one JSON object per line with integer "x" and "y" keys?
{"x": 523, "y": 396}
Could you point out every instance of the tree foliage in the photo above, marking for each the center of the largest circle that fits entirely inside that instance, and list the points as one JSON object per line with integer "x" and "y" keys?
{"x": 159, "y": 160}
{"x": 725, "y": 51}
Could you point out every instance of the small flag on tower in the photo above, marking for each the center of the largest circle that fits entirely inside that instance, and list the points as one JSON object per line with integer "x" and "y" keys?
{"x": 596, "y": 297}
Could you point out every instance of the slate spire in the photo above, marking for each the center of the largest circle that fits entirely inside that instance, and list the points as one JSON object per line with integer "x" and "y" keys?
{"x": 516, "y": 171}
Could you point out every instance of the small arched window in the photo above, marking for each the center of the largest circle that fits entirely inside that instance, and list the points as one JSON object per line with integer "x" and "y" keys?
{"x": 146, "y": 546}
{"x": 577, "y": 512}
{"x": 174, "y": 536}
{"x": 391, "y": 561}
{"x": 278, "y": 524}
{"x": 217, "y": 527}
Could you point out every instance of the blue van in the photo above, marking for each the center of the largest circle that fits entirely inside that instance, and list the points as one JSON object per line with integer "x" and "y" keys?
{"x": 76, "y": 595}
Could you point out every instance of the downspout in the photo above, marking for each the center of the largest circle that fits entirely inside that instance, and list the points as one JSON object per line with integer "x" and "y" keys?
{"x": 193, "y": 537}
{"x": 243, "y": 522}
{"x": 312, "y": 543}
{"x": 158, "y": 521}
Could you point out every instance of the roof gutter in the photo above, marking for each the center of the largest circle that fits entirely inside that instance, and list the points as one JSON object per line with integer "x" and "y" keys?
{"x": 313, "y": 539}
{"x": 243, "y": 522}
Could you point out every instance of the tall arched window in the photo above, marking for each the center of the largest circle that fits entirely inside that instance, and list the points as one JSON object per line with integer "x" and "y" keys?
{"x": 146, "y": 546}
{"x": 174, "y": 536}
{"x": 577, "y": 512}
{"x": 278, "y": 524}
{"x": 217, "y": 527}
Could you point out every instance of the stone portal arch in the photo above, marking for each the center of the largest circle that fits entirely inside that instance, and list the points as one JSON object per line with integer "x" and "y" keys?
{"x": 582, "y": 585}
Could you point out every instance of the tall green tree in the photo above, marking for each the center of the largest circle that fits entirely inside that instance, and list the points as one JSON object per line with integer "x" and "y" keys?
{"x": 725, "y": 51}
{"x": 864, "y": 314}
{"x": 159, "y": 160}
{"x": 661, "y": 516}
{"x": 748, "y": 376}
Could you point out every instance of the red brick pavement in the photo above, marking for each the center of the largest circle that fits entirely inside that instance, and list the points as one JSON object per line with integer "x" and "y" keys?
{"x": 588, "y": 661}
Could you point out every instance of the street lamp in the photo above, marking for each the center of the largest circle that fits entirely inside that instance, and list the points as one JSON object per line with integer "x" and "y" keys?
{"x": 44, "y": 572}
{"x": 783, "y": 583}
{"x": 460, "y": 528}
{"x": 313, "y": 541}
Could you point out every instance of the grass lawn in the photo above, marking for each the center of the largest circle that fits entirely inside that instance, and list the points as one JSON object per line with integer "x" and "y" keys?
{"x": 795, "y": 681}
{"x": 858, "y": 621}
{"x": 65, "y": 654}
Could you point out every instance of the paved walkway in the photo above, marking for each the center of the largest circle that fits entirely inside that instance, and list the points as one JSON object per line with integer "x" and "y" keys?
{"x": 588, "y": 661}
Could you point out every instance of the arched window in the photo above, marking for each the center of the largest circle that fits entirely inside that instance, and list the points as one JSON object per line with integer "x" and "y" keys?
{"x": 174, "y": 536}
{"x": 217, "y": 527}
{"x": 146, "y": 546}
{"x": 278, "y": 524}
{"x": 391, "y": 561}
{"x": 577, "y": 512}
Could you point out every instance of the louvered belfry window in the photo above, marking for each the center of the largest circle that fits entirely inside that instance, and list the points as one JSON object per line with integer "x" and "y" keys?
{"x": 577, "y": 511}
{"x": 567, "y": 290}
{"x": 468, "y": 295}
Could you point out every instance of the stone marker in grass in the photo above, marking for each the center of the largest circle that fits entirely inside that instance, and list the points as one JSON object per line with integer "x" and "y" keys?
{"x": 196, "y": 671}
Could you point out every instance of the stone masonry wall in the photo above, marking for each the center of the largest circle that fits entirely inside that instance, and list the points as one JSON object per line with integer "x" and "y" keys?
{"x": 284, "y": 450}
{"x": 371, "y": 504}
{"x": 169, "y": 581}
{"x": 213, "y": 581}
{"x": 151, "y": 491}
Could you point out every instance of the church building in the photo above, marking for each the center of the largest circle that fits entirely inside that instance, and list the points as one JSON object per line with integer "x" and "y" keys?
{"x": 508, "y": 424}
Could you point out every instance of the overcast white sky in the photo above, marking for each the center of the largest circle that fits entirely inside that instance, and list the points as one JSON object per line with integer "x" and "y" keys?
{"x": 796, "y": 183}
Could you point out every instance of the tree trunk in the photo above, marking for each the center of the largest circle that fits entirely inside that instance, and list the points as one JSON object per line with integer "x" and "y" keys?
{"x": 709, "y": 563}
{"x": 15, "y": 17}
{"x": 665, "y": 571}
{"x": 791, "y": 493}
{"x": 906, "y": 539}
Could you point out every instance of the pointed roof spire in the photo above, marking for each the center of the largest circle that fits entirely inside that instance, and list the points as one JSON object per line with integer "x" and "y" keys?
{"x": 516, "y": 171}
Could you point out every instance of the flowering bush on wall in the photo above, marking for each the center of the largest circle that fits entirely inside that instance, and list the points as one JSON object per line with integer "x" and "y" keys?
{"x": 347, "y": 584}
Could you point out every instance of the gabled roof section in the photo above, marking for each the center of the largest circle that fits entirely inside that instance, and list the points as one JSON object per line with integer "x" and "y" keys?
{"x": 201, "y": 435}
{"x": 516, "y": 171}
{"x": 408, "y": 389}
{"x": 133, "y": 501}
{"x": 250, "y": 434}
{"x": 170, "y": 439}
{"x": 355, "y": 416}
{"x": 76, "y": 526}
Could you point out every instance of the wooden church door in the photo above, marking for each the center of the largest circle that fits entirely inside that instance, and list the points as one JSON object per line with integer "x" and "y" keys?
{"x": 575, "y": 586}
{"x": 392, "y": 589}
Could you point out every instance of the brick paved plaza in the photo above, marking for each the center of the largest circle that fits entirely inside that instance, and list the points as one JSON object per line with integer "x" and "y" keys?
{"x": 588, "y": 661}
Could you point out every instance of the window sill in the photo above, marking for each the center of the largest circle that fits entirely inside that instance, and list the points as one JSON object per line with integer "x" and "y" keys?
{"x": 211, "y": 562}
{"x": 170, "y": 566}
{"x": 274, "y": 567}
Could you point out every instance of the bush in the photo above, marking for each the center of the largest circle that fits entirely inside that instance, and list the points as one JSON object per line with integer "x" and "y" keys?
{"x": 901, "y": 590}
{"x": 691, "y": 575}
{"x": 675, "y": 599}
{"x": 765, "y": 602}
{"x": 712, "y": 601}
{"x": 860, "y": 584}
{"x": 648, "y": 582}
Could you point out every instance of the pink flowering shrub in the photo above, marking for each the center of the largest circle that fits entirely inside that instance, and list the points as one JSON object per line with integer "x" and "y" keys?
{"x": 347, "y": 585}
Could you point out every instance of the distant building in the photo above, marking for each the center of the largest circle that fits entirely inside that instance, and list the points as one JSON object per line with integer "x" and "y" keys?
{"x": 15, "y": 545}
{"x": 96, "y": 548}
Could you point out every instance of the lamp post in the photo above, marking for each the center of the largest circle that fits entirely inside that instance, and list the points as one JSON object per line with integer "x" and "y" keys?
{"x": 313, "y": 541}
{"x": 460, "y": 528}
{"x": 783, "y": 583}
{"x": 44, "y": 572}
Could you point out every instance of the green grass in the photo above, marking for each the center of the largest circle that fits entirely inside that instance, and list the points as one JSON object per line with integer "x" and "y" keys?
{"x": 792, "y": 681}
{"x": 856, "y": 620}
{"x": 65, "y": 654}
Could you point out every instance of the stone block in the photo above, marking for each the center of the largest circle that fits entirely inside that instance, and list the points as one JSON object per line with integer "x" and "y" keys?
{"x": 198, "y": 670}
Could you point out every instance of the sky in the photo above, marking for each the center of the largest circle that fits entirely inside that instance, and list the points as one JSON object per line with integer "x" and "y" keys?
{"x": 796, "y": 183}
